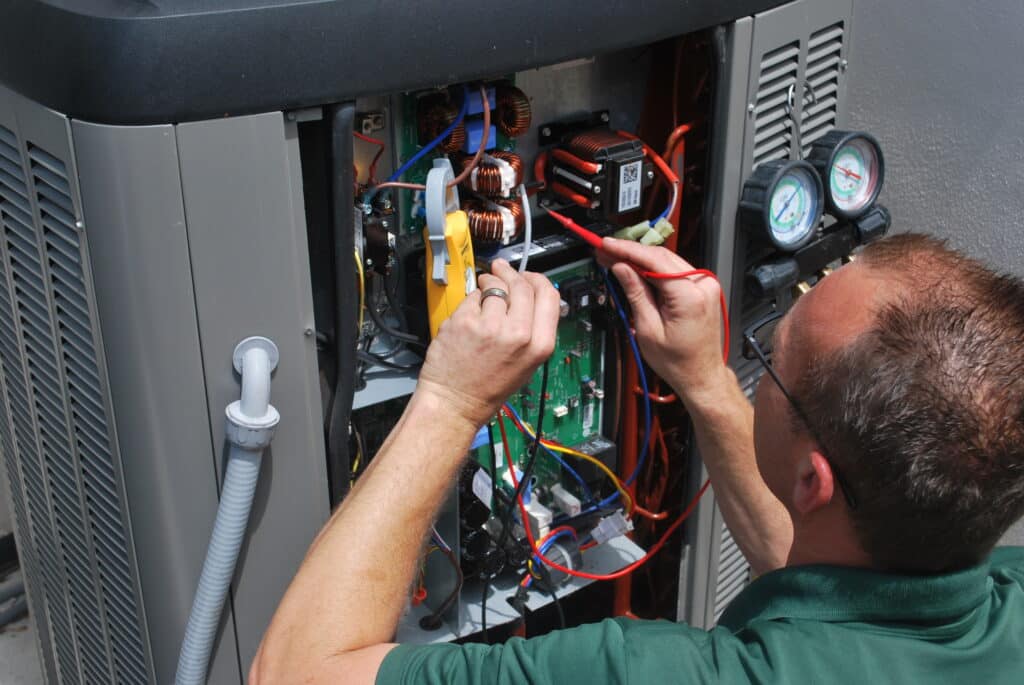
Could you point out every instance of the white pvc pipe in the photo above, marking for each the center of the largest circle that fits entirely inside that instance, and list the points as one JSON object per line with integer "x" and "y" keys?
{"x": 255, "y": 382}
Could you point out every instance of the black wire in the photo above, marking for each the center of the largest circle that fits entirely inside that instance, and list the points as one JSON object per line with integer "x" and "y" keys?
{"x": 483, "y": 610}
{"x": 339, "y": 463}
{"x": 506, "y": 521}
{"x": 393, "y": 332}
{"x": 489, "y": 578}
{"x": 433, "y": 621}
{"x": 548, "y": 586}
{"x": 370, "y": 358}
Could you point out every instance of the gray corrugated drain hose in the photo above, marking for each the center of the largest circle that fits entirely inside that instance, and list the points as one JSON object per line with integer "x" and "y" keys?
{"x": 250, "y": 427}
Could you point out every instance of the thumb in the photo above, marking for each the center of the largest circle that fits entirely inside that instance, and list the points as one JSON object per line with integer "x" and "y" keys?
{"x": 640, "y": 296}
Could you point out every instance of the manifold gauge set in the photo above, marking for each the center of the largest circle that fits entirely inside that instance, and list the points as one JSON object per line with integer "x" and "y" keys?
{"x": 783, "y": 201}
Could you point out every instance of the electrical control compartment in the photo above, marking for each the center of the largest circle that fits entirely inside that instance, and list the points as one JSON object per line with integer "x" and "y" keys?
{"x": 332, "y": 176}
{"x": 561, "y": 138}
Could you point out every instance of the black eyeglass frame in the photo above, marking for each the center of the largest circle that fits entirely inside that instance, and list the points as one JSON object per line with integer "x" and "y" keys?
{"x": 752, "y": 350}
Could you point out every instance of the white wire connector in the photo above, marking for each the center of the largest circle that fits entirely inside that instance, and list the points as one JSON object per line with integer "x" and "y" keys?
{"x": 527, "y": 229}
{"x": 568, "y": 503}
{"x": 610, "y": 527}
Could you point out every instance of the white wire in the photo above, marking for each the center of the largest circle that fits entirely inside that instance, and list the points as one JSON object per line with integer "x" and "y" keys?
{"x": 527, "y": 229}
{"x": 438, "y": 540}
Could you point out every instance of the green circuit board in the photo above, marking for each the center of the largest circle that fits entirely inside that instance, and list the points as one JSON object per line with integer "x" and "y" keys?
{"x": 411, "y": 203}
{"x": 571, "y": 413}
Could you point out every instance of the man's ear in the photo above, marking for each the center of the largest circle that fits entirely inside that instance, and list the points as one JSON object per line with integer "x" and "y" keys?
{"x": 815, "y": 484}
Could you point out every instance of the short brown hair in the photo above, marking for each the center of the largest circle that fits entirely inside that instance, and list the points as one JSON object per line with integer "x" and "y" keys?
{"x": 923, "y": 413}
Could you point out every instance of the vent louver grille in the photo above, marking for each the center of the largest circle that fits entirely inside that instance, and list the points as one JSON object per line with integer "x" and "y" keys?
{"x": 17, "y": 223}
{"x": 733, "y": 572}
{"x": 733, "y": 569}
{"x": 824, "y": 51}
{"x": 772, "y": 123}
{"x": 59, "y": 442}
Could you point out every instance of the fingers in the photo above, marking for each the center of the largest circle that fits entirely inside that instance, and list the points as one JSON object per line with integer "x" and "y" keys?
{"x": 521, "y": 297}
{"x": 644, "y": 256}
{"x": 493, "y": 308}
{"x": 640, "y": 296}
{"x": 545, "y": 316}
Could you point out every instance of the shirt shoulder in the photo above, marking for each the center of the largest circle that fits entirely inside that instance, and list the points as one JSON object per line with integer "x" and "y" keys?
{"x": 612, "y": 651}
{"x": 1006, "y": 566}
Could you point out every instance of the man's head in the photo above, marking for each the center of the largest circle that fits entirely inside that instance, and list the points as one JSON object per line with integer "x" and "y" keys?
{"x": 908, "y": 366}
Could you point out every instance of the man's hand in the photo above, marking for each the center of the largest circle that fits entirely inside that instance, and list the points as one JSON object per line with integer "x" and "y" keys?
{"x": 678, "y": 322}
{"x": 487, "y": 350}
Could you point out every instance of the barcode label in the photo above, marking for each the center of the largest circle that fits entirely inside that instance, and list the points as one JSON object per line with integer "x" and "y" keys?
{"x": 588, "y": 419}
{"x": 630, "y": 186}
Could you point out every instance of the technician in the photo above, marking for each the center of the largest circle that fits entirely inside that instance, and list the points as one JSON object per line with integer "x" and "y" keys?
{"x": 885, "y": 461}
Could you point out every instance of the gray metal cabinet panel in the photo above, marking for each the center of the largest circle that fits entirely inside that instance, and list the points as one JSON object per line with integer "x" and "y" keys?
{"x": 250, "y": 264}
{"x": 136, "y": 225}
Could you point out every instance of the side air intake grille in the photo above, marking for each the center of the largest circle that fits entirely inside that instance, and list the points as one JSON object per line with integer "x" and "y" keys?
{"x": 733, "y": 572}
{"x": 59, "y": 447}
{"x": 821, "y": 106}
{"x": 772, "y": 123}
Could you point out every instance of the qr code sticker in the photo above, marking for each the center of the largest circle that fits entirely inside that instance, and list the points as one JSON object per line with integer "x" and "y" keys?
{"x": 630, "y": 186}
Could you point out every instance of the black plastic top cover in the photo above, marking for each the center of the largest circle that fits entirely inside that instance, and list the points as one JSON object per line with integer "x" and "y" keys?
{"x": 166, "y": 61}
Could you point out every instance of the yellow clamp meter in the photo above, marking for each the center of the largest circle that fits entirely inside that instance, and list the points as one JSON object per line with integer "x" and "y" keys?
{"x": 451, "y": 270}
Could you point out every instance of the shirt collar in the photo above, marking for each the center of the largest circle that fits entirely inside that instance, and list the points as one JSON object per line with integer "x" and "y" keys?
{"x": 837, "y": 594}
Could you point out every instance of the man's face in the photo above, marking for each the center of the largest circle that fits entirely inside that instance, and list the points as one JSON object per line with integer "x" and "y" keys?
{"x": 838, "y": 309}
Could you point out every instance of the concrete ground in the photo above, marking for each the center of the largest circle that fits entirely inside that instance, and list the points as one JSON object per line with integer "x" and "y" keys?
{"x": 19, "y": 661}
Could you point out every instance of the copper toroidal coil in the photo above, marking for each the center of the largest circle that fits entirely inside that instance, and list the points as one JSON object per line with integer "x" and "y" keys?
{"x": 488, "y": 175}
{"x": 588, "y": 144}
{"x": 433, "y": 117}
{"x": 487, "y": 225}
{"x": 514, "y": 114}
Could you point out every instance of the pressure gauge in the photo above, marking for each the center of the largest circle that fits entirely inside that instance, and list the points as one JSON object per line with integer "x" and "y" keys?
{"x": 851, "y": 168}
{"x": 782, "y": 203}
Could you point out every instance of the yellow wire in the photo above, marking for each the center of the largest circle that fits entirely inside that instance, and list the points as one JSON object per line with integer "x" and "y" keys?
{"x": 555, "y": 447}
{"x": 362, "y": 289}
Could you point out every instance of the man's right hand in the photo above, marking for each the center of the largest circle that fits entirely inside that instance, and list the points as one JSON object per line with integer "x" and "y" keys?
{"x": 678, "y": 322}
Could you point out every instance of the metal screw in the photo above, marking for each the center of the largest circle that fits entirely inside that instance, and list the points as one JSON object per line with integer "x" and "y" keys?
{"x": 386, "y": 203}
{"x": 384, "y": 223}
{"x": 843, "y": 64}
{"x": 750, "y": 109}
{"x": 308, "y": 332}
{"x": 79, "y": 225}
{"x": 650, "y": 174}
{"x": 369, "y": 262}
{"x": 604, "y": 117}
{"x": 546, "y": 131}
{"x": 596, "y": 190}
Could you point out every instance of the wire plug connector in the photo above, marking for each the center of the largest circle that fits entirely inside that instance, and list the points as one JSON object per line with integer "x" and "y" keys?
{"x": 610, "y": 527}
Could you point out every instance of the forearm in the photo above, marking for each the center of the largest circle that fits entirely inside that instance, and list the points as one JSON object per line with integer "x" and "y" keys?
{"x": 724, "y": 424}
{"x": 351, "y": 589}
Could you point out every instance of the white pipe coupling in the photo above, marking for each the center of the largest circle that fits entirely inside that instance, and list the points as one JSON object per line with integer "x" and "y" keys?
{"x": 251, "y": 420}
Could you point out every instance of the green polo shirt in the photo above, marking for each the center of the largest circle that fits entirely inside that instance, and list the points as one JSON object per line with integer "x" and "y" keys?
{"x": 809, "y": 624}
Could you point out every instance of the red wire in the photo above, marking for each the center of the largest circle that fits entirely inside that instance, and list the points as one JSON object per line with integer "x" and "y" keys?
{"x": 376, "y": 158}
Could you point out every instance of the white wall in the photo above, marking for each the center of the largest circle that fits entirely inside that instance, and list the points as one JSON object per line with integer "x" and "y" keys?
{"x": 942, "y": 86}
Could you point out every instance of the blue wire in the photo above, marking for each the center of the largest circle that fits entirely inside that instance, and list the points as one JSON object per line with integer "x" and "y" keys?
{"x": 643, "y": 385}
{"x": 436, "y": 141}
{"x": 544, "y": 550}
{"x": 561, "y": 462}
{"x": 423, "y": 151}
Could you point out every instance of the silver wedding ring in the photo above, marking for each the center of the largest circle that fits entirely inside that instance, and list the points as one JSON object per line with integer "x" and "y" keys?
{"x": 494, "y": 292}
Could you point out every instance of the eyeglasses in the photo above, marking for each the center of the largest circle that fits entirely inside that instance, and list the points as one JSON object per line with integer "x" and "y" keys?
{"x": 758, "y": 341}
